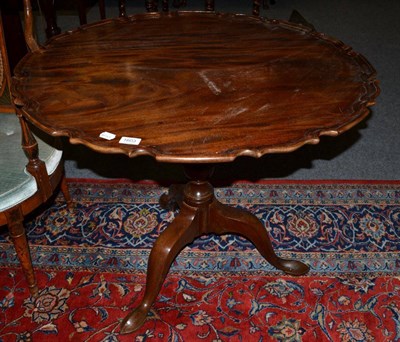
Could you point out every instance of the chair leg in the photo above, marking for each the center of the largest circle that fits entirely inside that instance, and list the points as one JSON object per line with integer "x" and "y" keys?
{"x": 102, "y": 9}
{"x": 151, "y": 5}
{"x": 209, "y": 5}
{"x": 82, "y": 12}
{"x": 65, "y": 191}
{"x": 122, "y": 8}
{"x": 16, "y": 228}
{"x": 51, "y": 20}
{"x": 297, "y": 18}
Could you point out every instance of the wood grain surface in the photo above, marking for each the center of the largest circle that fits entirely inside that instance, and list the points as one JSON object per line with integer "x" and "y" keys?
{"x": 196, "y": 87}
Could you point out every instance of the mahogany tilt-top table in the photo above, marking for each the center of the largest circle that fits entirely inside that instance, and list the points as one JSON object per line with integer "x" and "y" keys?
{"x": 195, "y": 88}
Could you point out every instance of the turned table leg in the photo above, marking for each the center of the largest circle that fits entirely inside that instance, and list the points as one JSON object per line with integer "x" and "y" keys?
{"x": 200, "y": 213}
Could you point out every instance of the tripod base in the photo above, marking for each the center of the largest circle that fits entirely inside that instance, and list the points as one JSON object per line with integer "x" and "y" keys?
{"x": 200, "y": 213}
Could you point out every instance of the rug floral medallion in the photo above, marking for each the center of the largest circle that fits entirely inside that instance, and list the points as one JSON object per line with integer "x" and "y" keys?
{"x": 91, "y": 262}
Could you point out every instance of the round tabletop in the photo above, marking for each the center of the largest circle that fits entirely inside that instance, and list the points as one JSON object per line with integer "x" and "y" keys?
{"x": 194, "y": 87}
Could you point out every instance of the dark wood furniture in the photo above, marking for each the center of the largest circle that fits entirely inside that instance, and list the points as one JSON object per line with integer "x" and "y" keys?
{"x": 48, "y": 9}
{"x": 49, "y": 13}
{"x": 209, "y": 5}
{"x": 82, "y": 8}
{"x": 50, "y": 16}
{"x": 27, "y": 179}
{"x": 13, "y": 32}
{"x": 247, "y": 87}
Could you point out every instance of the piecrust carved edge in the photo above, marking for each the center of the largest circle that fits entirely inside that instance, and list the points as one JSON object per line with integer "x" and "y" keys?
{"x": 360, "y": 108}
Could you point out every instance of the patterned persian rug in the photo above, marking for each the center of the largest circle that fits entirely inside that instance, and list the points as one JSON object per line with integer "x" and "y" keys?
{"x": 91, "y": 267}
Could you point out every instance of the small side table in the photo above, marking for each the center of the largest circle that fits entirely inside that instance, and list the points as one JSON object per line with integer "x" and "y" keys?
{"x": 195, "y": 88}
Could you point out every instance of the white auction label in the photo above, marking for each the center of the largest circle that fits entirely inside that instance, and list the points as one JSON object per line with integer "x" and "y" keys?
{"x": 107, "y": 135}
{"x": 130, "y": 141}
